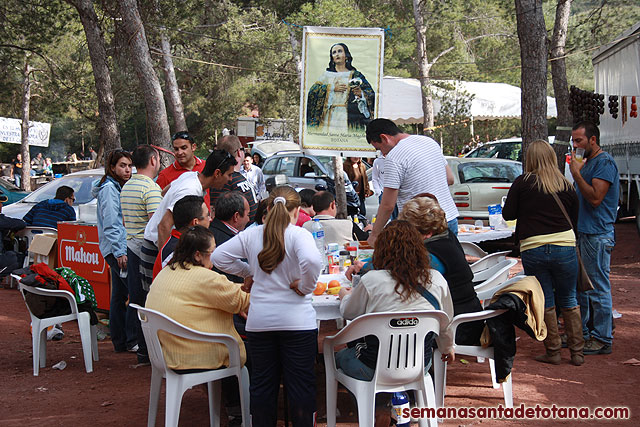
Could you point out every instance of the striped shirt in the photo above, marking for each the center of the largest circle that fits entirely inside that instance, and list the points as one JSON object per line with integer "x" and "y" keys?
{"x": 139, "y": 198}
{"x": 416, "y": 165}
{"x": 238, "y": 183}
{"x": 48, "y": 213}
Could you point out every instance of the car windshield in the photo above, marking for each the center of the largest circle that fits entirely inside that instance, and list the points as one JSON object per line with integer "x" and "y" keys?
{"x": 327, "y": 162}
{"x": 489, "y": 171}
{"x": 500, "y": 150}
{"x": 80, "y": 183}
{"x": 487, "y": 151}
{"x": 6, "y": 185}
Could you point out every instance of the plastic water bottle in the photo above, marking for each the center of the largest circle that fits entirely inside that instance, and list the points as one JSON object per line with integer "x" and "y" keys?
{"x": 400, "y": 401}
{"x": 318, "y": 235}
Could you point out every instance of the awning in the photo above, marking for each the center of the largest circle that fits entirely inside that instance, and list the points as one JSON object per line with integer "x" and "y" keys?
{"x": 401, "y": 100}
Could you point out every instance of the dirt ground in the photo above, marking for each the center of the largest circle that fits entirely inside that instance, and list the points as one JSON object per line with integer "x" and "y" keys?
{"x": 116, "y": 393}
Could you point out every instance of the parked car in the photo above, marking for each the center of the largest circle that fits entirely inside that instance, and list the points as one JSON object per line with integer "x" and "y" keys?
{"x": 268, "y": 147}
{"x": 85, "y": 204}
{"x": 480, "y": 182}
{"x": 306, "y": 171}
{"x": 12, "y": 192}
{"x": 510, "y": 148}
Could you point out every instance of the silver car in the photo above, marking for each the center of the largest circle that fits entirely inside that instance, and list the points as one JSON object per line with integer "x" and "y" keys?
{"x": 480, "y": 182}
{"x": 85, "y": 204}
{"x": 307, "y": 171}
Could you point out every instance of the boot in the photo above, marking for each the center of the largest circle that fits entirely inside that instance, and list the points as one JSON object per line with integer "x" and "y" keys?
{"x": 552, "y": 342}
{"x": 575, "y": 341}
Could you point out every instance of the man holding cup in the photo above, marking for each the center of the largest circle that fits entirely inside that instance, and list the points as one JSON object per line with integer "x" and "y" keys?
{"x": 597, "y": 185}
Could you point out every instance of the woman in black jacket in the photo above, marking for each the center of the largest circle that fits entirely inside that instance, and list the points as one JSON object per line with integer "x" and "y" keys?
{"x": 548, "y": 244}
{"x": 448, "y": 258}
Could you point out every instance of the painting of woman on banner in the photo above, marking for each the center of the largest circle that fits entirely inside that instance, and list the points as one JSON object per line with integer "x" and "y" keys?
{"x": 341, "y": 100}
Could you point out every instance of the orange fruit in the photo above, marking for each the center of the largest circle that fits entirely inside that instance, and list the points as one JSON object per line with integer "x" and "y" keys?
{"x": 334, "y": 284}
{"x": 320, "y": 288}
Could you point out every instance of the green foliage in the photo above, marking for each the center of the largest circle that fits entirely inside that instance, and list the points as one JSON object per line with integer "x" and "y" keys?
{"x": 454, "y": 117}
{"x": 233, "y": 56}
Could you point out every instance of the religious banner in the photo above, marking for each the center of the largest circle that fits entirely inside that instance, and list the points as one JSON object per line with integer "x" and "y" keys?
{"x": 340, "y": 89}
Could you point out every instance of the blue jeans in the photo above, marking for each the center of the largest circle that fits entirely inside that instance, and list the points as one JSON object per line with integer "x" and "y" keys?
{"x": 291, "y": 354}
{"x": 122, "y": 326}
{"x": 453, "y": 226}
{"x": 596, "y": 305}
{"x": 347, "y": 361}
{"x": 352, "y": 366}
{"x": 556, "y": 268}
{"x": 137, "y": 295}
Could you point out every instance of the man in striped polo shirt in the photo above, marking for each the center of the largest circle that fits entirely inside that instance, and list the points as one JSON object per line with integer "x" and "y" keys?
{"x": 140, "y": 198}
{"x": 413, "y": 164}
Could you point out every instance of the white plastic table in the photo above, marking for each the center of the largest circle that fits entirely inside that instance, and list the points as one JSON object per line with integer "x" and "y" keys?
{"x": 484, "y": 235}
{"x": 328, "y": 306}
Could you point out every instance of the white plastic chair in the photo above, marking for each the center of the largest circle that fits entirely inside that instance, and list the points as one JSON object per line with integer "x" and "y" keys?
{"x": 488, "y": 288}
{"x": 472, "y": 249}
{"x": 400, "y": 364}
{"x": 39, "y": 327}
{"x": 30, "y": 233}
{"x": 498, "y": 268}
{"x": 176, "y": 384}
{"x": 488, "y": 261}
{"x": 440, "y": 367}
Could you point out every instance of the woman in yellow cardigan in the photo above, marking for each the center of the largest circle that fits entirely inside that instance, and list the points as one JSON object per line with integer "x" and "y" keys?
{"x": 192, "y": 294}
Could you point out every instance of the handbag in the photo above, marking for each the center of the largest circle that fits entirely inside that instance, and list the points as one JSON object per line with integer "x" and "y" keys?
{"x": 584, "y": 281}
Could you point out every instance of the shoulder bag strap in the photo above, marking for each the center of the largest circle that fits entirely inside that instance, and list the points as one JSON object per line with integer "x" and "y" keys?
{"x": 564, "y": 211}
{"x": 429, "y": 297}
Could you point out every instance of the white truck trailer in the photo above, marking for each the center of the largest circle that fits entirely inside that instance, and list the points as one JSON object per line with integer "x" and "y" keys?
{"x": 616, "y": 68}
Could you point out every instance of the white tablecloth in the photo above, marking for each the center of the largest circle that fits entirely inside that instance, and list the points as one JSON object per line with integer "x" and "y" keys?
{"x": 328, "y": 306}
{"x": 487, "y": 235}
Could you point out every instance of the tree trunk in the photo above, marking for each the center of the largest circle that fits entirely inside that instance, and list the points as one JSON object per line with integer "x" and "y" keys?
{"x": 295, "y": 50}
{"x": 171, "y": 83}
{"x": 157, "y": 122}
{"x": 559, "y": 78}
{"x": 341, "y": 195}
{"x": 24, "y": 146}
{"x": 107, "y": 123}
{"x": 423, "y": 66}
{"x": 532, "y": 36}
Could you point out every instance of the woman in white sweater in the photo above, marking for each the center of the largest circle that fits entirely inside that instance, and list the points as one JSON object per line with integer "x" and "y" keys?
{"x": 402, "y": 275}
{"x": 281, "y": 328}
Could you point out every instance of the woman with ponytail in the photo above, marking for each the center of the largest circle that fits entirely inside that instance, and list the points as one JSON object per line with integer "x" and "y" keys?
{"x": 282, "y": 265}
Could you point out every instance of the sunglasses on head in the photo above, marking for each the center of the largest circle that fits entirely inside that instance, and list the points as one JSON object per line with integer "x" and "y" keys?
{"x": 182, "y": 135}
{"x": 226, "y": 158}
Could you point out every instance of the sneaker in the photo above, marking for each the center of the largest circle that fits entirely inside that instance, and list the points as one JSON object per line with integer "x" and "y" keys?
{"x": 143, "y": 359}
{"x": 593, "y": 346}
{"x": 133, "y": 349}
{"x": 55, "y": 334}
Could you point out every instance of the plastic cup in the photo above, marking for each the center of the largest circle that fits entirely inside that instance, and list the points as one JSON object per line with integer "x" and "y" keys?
{"x": 579, "y": 154}
{"x": 479, "y": 224}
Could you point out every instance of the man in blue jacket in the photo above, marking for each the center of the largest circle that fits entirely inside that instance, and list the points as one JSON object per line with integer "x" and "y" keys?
{"x": 49, "y": 212}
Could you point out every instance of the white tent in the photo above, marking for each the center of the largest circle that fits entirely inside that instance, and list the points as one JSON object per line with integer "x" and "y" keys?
{"x": 401, "y": 100}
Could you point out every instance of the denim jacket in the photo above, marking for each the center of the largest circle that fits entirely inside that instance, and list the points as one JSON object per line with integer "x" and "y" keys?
{"x": 111, "y": 232}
